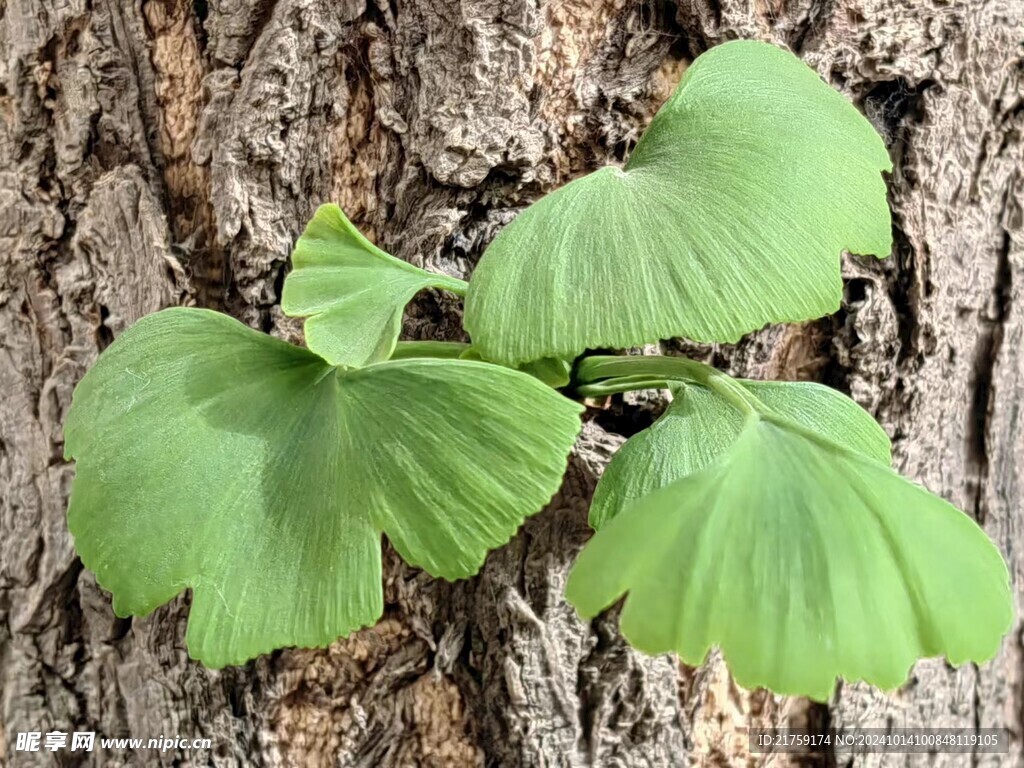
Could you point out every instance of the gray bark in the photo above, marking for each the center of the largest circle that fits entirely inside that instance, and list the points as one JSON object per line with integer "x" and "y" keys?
{"x": 157, "y": 152}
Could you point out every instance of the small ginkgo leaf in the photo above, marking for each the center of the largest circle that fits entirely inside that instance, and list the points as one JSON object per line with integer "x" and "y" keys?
{"x": 803, "y": 561}
{"x": 698, "y": 426}
{"x": 212, "y": 457}
{"x": 731, "y": 213}
{"x": 351, "y": 292}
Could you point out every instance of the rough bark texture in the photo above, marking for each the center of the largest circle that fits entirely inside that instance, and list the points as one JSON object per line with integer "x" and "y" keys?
{"x": 159, "y": 152}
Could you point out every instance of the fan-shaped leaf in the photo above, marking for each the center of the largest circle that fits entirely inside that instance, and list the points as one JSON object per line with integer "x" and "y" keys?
{"x": 214, "y": 457}
{"x": 803, "y": 561}
{"x": 698, "y": 427}
{"x": 730, "y": 214}
{"x": 351, "y": 291}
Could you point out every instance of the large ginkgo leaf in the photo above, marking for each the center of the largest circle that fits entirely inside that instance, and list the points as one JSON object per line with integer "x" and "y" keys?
{"x": 698, "y": 426}
{"x": 351, "y": 292}
{"x": 212, "y": 457}
{"x": 803, "y": 561}
{"x": 731, "y": 213}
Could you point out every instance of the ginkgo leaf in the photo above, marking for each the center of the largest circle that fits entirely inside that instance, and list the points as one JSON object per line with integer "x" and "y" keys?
{"x": 212, "y": 457}
{"x": 731, "y": 213}
{"x": 698, "y": 426}
{"x": 803, "y": 561}
{"x": 351, "y": 292}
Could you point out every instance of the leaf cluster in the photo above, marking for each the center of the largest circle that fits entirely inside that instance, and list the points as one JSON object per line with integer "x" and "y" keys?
{"x": 759, "y": 517}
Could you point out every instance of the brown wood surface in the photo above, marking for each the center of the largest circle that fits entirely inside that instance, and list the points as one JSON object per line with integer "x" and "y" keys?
{"x": 161, "y": 152}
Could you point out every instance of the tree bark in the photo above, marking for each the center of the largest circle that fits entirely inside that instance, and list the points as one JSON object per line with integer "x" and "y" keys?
{"x": 160, "y": 152}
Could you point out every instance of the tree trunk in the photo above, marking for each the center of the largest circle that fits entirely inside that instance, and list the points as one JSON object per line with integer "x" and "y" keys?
{"x": 158, "y": 152}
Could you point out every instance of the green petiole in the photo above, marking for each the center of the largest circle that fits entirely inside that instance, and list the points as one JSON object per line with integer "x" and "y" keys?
{"x": 620, "y": 384}
{"x": 439, "y": 349}
{"x": 450, "y": 284}
{"x": 610, "y": 374}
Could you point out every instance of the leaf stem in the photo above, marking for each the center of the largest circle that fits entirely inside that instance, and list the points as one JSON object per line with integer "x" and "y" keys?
{"x": 442, "y": 349}
{"x": 620, "y": 384}
{"x": 643, "y": 370}
{"x": 449, "y": 283}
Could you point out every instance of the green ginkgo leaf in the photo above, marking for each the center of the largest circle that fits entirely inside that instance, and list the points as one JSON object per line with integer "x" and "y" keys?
{"x": 212, "y": 457}
{"x": 699, "y": 426}
{"x": 731, "y": 213}
{"x": 803, "y": 561}
{"x": 351, "y": 292}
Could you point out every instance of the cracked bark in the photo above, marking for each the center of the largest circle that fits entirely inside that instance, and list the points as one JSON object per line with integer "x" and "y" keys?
{"x": 161, "y": 152}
